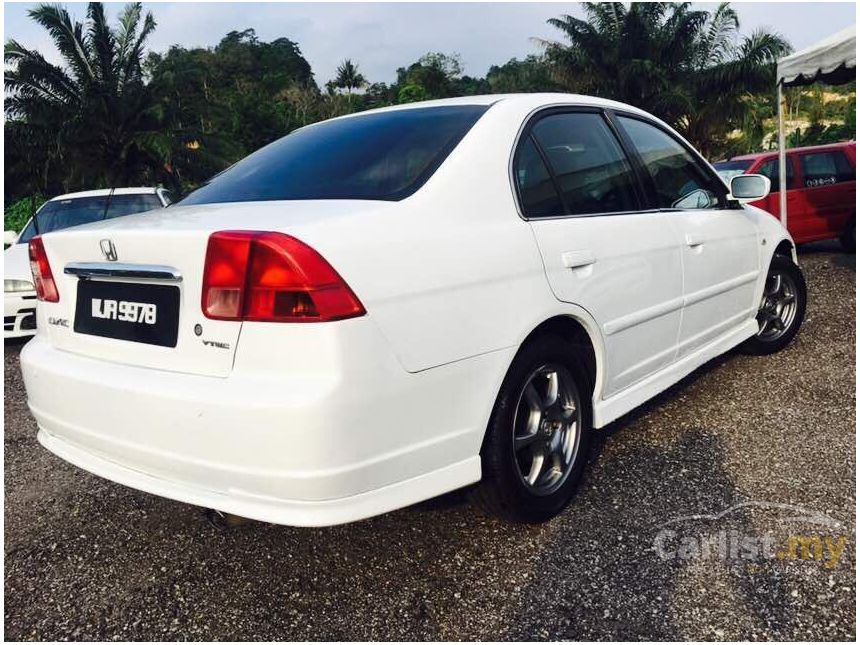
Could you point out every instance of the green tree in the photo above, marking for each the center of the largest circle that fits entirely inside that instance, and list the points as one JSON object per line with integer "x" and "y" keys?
{"x": 96, "y": 105}
{"x": 689, "y": 67}
{"x": 348, "y": 77}
{"x": 433, "y": 76}
{"x": 225, "y": 102}
{"x": 532, "y": 74}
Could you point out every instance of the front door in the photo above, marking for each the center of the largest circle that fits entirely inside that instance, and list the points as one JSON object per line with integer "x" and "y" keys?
{"x": 719, "y": 240}
{"x": 601, "y": 249}
{"x": 770, "y": 169}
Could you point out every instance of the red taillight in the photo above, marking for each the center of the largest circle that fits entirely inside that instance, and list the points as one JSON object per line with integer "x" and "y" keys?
{"x": 272, "y": 277}
{"x": 46, "y": 288}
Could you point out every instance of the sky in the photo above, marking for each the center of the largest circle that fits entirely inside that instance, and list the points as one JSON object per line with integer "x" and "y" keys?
{"x": 381, "y": 37}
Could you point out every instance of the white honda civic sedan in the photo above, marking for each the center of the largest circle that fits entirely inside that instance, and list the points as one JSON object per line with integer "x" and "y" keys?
{"x": 383, "y": 307}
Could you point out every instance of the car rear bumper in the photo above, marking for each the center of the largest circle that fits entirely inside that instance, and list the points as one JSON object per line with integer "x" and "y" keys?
{"x": 19, "y": 314}
{"x": 350, "y": 437}
{"x": 278, "y": 510}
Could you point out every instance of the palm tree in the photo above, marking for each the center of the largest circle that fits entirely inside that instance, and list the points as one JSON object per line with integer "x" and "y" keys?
{"x": 96, "y": 106}
{"x": 348, "y": 77}
{"x": 690, "y": 68}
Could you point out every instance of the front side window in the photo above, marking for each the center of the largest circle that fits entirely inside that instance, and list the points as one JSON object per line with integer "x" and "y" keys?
{"x": 679, "y": 183}
{"x": 588, "y": 163}
{"x": 381, "y": 156}
{"x": 825, "y": 168}
{"x": 770, "y": 169}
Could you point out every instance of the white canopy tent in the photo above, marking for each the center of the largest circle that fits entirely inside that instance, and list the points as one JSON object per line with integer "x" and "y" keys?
{"x": 832, "y": 60}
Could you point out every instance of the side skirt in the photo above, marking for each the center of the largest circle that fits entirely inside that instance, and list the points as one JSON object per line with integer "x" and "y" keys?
{"x": 619, "y": 404}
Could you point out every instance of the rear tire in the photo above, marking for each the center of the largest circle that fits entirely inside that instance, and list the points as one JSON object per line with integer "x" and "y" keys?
{"x": 539, "y": 434}
{"x": 783, "y": 306}
{"x": 848, "y": 239}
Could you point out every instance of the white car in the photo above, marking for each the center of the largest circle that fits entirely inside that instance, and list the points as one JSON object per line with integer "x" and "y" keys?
{"x": 19, "y": 295}
{"x": 383, "y": 307}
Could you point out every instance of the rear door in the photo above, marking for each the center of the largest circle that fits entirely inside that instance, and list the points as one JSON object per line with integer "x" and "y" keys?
{"x": 719, "y": 243}
{"x": 601, "y": 249}
{"x": 827, "y": 199}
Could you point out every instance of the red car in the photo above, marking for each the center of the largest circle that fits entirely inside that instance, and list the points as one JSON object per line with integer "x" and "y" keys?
{"x": 820, "y": 189}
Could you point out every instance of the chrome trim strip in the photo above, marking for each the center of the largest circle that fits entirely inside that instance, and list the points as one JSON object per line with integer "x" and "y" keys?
{"x": 121, "y": 270}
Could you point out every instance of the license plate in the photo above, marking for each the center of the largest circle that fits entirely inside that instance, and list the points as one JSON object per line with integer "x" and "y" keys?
{"x": 141, "y": 313}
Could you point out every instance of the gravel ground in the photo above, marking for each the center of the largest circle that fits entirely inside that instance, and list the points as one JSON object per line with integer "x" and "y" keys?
{"x": 88, "y": 559}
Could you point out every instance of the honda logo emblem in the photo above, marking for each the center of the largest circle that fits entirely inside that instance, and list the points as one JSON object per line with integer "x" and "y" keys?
{"x": 108, "y": 250}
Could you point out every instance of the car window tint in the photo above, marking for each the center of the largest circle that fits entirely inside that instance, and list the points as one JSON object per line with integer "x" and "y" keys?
{"x": 382, "y": 156}
{"x": 770, "y": 169}
{"x": 129, "y": 204}
{"x": 538, "y": 195}
{"x": 824, "y": 168}
{"x": 64, "y": 213}
{"x": 28, "y": 233}
{"x": 589, "y": 164}
{"x": 678, "y": 180}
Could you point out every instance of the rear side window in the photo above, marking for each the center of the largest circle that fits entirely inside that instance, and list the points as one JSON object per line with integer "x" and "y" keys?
{"x": 679, "y": 182}
{"x": 770, "y": 169}
{"x": 383, "y": 156}
{"x": 825, "y": 168}
{"x": 588, "y": 163}
{"x": 538, "y": 195}
{"x": 590, "y": 172}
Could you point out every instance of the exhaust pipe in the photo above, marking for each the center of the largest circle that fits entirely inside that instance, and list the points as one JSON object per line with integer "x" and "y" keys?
{"x": 224, "y": 521}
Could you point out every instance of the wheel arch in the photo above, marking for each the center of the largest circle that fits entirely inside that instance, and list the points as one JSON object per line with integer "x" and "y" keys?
{"x": 786, "y": 248}
{"x": 576, "y": 332}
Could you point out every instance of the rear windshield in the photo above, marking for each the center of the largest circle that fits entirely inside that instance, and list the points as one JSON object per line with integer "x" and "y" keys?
{"x": 387, "y": 156}
{"x": 729, "y": 169}
{"x": 64, "y": 213}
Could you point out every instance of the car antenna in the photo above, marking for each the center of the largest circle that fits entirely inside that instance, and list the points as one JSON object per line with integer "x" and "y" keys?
{"x": 107, "y": 203}
{"x": 35, "y": 216}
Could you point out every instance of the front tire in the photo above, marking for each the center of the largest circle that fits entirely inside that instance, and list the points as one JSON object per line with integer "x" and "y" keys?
{"x": 782, "y": 308}
{"x": 539, "y": 434}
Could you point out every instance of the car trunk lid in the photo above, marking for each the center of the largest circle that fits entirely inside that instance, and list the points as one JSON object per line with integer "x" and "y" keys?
{"x": 130, "y": 289}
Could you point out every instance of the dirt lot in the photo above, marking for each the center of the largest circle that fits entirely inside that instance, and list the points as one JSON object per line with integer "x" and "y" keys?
{"x": 757, "y": 437}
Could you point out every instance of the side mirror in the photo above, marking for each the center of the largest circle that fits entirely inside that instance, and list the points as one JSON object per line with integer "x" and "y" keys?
{"x": 9, "y": 238}
{"x": 749, "y": 188}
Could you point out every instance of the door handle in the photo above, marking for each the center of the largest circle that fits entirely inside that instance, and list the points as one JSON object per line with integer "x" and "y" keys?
{"x": 694, "y": 241}
{"x": 576, "y": 259}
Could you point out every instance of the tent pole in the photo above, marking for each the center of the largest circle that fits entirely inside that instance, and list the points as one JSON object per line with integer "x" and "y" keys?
{"x": 783, "y": 198}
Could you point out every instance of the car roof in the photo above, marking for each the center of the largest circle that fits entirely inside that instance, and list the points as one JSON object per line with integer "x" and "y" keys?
{"x": 528, "y": 101}
{"x": 755, "y": 156}
{"x": 104, "y": 192}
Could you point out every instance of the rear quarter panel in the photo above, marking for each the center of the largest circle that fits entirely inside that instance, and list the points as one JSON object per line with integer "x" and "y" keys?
{"x": 452, "y": 271}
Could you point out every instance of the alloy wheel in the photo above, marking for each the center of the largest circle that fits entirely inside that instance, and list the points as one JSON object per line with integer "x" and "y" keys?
{"x": 778, "y": 306}
{"x": 547, "y": 429}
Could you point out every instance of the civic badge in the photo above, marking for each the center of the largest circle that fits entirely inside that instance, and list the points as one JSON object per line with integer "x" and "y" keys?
{"x": 108, "y": 250}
